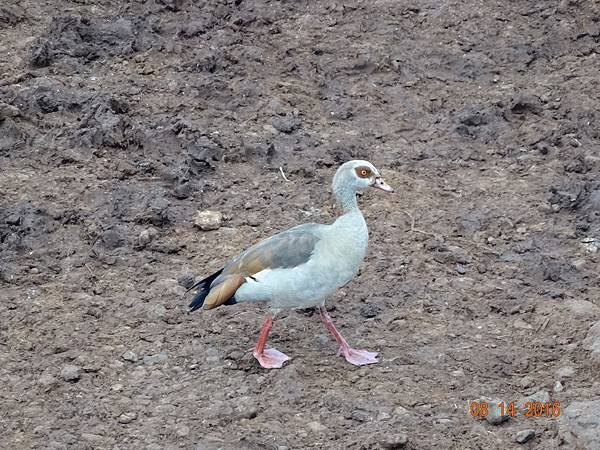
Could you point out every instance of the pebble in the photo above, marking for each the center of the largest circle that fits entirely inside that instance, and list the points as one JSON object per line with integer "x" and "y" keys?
{"x": 146, "y": 236}
{"x": 316, "y": 427}
{"x": 253, "y": 220}
{"x": 71, "y": 373}
{"x": 126, "y": 418}
{"x": 524, "y": 436}
{"x": 394, "y": 441}
{"x": 522, "y": 325}
{"x": 129, "y": 356}
{"x": 566, "y": 372}
{"x": 187, "y": 281}
{"x": 539, "y": 396}
{"x": 47, "y": 380}
{"x": 208, "y": 220}
{"x": 155, "y": 359}
{"x": 285, "y": 124}
{"x": 92, "y": 438}
{"x": 460, "y": 269}
{"x": 495, "y": 416}
{"x": 558, "y": 386}
{"x": 7, "y": 110}
{"x": 183, "y": 431}
{"x": 369, "y": 311}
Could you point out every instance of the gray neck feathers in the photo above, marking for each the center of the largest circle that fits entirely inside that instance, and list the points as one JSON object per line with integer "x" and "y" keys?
{"x": 344, "y": 191}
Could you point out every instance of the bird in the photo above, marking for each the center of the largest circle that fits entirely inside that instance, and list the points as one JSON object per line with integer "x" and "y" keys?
{"x": 300, "y": 267}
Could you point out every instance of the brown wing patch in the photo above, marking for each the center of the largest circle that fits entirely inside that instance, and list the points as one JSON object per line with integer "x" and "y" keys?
{"x": 363, "y": 172}
{"x": 284, "y": 250}
{"x": 224, "y": 291}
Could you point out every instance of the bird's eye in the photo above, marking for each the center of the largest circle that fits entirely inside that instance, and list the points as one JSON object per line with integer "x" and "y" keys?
{"x": 363, "y": 173}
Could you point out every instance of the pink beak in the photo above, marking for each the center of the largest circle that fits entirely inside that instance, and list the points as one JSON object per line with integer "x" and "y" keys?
{"x": 380, "y": 184}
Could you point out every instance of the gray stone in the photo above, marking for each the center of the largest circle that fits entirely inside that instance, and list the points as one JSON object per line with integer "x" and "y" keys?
{"x": 460, "y": 269}
{"x": 47, "y": 381}
{"x": 522, "y": 325}
{"x": 558, "y": 386}
{"x": 394, "y": 441}
{"x": 155, "y": 359}
{"x": 524, "y": 436}
{"x": 539, "y": 397}
{"x": 565, "y": 372}
{"x": 147, "y": 236}
{"x": 183, "y": 430}
{"x": 71, "y": 373}
{"x": 126, "y": 418}
{"x": 130, "y": 356}
{"x": 92, "y": 438}
{"x": 579, "y": 424}
{"x": 495, "y": 416}
{"x": 316, "y": 427}
{"x": 208, "y": 220}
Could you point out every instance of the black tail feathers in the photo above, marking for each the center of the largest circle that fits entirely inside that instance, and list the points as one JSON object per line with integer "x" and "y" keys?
{"x": 203, "y": 290}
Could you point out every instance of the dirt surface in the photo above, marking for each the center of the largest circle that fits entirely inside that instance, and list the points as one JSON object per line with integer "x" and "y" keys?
{"x": 120, "y": 120}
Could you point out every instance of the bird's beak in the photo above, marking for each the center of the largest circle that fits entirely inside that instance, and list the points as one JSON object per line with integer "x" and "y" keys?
{"x": 380, "y": 184}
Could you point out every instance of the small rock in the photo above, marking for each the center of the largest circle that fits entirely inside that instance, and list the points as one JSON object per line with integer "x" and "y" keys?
{"x": 155, "y": 359}
{"x": 495, "y": 416}
{"x": 7, "y": 110}
{"x": 187, "y": 281}
{"x": 253, "y": 220}
{"x": 524, "y": 436}
{"x": 13, "y": 219}
{"x": 527, "y": 381}
{"x": 126, "y": 418}
{"x": 558, "y": 386}
{"x": 71, "y": 373}
{"x": 113, "y": 239}
{"x": 369, "y": 311}
{"x": 285, "y": 124}
{"x": 183, "y": 190}
{"x": 522, "y": 325}
{"x": 400, "y": 411}
{"x": 460, "y": 269}
{"x": 360, "y": 415}
{"x": 590, "y": 244}
{"x": 94, "y": 439}
{"x": 316, "y": 427}
{"x": 566, "y": 372}
{"x": 157, "y": 312}
{"x": 539, "y": 396}
{"x": 129, "y": 356}
{"x": 183, "y": 431}
{"x": 394, "y": 441}
{"x": 47, "y": 381}
{"x": 208, "y": 220}
{"x": 146, "y": 236}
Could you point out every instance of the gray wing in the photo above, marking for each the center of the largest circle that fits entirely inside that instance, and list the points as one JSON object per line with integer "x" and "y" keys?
{"x": 289, "y": 248}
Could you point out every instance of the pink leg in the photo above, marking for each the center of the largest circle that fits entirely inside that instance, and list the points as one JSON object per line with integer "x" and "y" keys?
{"x": 268, "y": 358}
{"x": 356, "y": 357}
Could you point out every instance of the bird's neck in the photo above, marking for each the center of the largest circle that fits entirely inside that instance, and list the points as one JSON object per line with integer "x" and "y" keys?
{"x": 346, "y": 198}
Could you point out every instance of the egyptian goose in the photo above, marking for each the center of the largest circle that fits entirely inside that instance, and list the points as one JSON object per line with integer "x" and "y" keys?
{"x": 300, "y": 267}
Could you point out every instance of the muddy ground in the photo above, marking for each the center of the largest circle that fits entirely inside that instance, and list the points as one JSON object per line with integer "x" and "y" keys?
{"x": 120, "y": 120}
